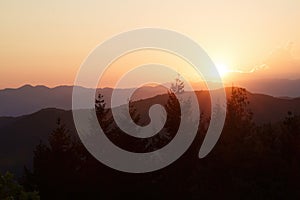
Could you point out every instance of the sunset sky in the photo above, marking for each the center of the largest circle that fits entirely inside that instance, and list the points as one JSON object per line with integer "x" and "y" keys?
{"x": 45, "y": 42}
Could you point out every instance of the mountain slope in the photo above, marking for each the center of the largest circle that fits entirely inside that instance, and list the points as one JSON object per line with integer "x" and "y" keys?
{"x": 20, "y": 135}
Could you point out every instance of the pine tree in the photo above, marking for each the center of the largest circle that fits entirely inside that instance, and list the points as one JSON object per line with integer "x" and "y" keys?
{"x": 239, "y": 116}
{"x": 102, "y": 113}
{"x": 100, "y": 106}
{"x": 56, "y": 166}
{"x": 178, "y": 86}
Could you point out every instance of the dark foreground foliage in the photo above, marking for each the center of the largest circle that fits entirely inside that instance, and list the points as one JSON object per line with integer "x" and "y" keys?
{"x": 248, "y": 162}
{"x": 10, "y": 189}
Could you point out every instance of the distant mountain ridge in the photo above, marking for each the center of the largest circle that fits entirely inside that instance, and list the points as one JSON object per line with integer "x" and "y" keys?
{"x": 286, "y": 88}
{"x": 29, "y": 99}
{"x": 274, "y": 87}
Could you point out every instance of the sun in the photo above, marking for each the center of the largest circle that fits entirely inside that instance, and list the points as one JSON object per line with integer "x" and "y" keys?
{"x": 223, "y": 69}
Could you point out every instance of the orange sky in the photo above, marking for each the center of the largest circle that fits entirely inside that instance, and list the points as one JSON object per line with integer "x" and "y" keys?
{"x": 45, "y": 42}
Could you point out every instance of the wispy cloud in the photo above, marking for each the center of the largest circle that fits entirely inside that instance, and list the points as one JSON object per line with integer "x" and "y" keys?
{"x": 280, "y": 61}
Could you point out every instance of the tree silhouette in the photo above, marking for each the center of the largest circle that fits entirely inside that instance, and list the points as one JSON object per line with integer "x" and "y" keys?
{"x": 102, "y": 113}
{"x": 56, "y": 166}
{"x": 238, "y": 127}
{"x": 239, "y": 116}
{"x": 178, "y": 86}
{"x": 290, "y": 137}
{"x": 173, "y": 112}
{"x": 100, "y": 106}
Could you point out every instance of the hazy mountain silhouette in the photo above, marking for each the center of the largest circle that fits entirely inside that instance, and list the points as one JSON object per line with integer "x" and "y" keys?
{"x": 273, "y": 87}
{"x": 29, "y": 99}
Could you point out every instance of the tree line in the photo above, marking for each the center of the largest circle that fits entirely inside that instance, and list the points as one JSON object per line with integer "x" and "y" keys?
{"x": 249, "y": 161}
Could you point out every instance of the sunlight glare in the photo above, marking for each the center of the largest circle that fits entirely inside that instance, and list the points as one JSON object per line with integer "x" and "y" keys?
{"x": 222, "y": 68}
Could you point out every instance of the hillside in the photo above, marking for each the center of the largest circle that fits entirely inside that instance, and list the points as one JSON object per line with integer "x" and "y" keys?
{"x": 20, "y": 135}
{"x": 29, "y": 99}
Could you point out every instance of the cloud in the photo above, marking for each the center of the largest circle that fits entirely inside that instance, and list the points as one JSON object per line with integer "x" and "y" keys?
{"x": 280, "y": 62}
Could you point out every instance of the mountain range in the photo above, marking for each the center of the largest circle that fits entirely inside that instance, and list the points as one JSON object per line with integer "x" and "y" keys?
{"x": 29, "y": 99}
{"x": 19, "y": 135}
